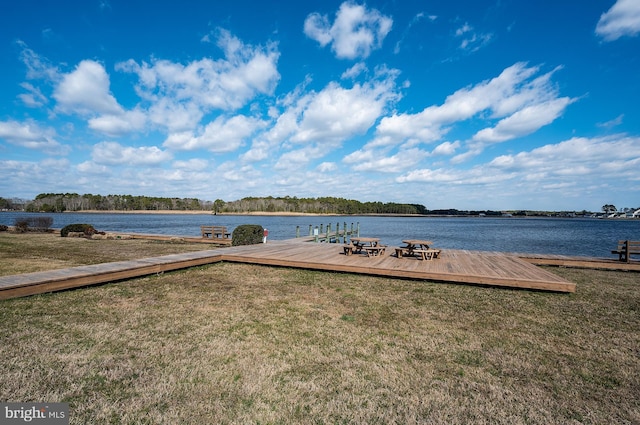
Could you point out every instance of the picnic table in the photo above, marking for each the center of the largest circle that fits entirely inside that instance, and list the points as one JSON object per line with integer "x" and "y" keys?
{"x": 421, "y": 248}
{"x": 371, "y": 246}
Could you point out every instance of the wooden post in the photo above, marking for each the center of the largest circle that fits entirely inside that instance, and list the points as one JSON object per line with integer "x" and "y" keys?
{"x": 297, "y": 231}
{"x": 358, "y": 229}
{"x": 627, "y": 249}
{"x": 311, "y": 230}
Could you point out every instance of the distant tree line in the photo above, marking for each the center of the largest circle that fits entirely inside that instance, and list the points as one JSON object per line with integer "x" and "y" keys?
{"x": 324, "y": 205}
{"x": 13, "y": 204}
{"x": 61, "y": 202}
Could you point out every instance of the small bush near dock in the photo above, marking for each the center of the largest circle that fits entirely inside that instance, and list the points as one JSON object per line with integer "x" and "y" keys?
{"x": 247, "y": 234}
{"x": 87, "y": 229}
{"x": 239, "y": 343}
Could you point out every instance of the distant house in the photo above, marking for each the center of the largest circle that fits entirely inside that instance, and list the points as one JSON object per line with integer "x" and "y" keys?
{"x": 636, "y": 214}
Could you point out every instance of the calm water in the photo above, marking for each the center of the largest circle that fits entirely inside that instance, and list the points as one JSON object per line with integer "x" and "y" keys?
{"x": 576, "y": 236}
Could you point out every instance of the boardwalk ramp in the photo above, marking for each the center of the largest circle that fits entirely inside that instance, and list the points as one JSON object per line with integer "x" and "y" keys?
{"x": 454, "y": 266}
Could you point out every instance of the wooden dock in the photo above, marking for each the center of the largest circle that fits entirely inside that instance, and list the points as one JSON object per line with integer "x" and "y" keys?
{"x": 453, "y": 266}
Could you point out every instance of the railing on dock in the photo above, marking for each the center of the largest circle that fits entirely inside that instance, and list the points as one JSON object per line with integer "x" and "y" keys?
{"x": 320, "y": 234}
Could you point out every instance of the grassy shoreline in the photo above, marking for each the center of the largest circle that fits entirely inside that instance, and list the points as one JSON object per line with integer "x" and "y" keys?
{"x": 234, "y": 343}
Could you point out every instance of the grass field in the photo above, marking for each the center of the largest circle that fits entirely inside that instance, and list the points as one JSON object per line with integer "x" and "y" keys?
{"x": 233, "y": 343}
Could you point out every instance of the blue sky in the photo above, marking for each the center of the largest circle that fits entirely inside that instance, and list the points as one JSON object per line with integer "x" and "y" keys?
{"x": 466, "y": 104}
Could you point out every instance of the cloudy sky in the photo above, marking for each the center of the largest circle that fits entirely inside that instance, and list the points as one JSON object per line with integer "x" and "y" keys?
{"x": 502, "y": 104}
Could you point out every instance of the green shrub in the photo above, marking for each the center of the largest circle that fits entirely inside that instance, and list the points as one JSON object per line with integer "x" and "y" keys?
{"x": 3, "y": 228}
{"x": 87, "y": 229}
{"x": 247, "y": 234}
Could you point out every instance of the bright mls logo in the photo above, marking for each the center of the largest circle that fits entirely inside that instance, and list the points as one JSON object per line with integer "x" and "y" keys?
{"x": 35, "y": 413}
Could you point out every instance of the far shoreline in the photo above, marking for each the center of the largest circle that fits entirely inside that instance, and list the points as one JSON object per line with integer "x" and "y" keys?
{"x": 194, "y": 212}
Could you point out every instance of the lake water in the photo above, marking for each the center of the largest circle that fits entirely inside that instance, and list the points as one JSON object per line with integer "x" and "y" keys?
{"x": 569, "y": 236}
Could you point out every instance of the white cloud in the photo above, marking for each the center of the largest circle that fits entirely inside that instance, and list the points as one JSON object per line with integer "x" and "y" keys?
{"x": 91, "y": 168}
{"x": 524, "y": 122}
{"x": 426, "y": 175}
{"x": 112, "y": 153}
{"x": 355, "y": 32}
{"x": 618, "y": 154}
{"x": 259, "y": 151}
{"x": 37, "y": 66}
{"x": 612, "y": 123}
{"x": 598, "y": 162}
{"x": 174, "y": 116}
{"x": 31, "y": 136}
{"x": 623, "y": 19}
{"x": 221, "y": 135}
{"x": 401, "y": 161}
{"x": 327, "y": 167}
{"x": 299, "y": 158}
{"x": 86, "y": 91}
{"x": 524, "y": 101}
{"x": 472, "y": 40}
{"x": 508, "y": 92}
{"x": 194, "y": 164}
{"x": 337, "y": 113}
{"x": 225, "y": 84}
{"x": 354, "y": 71}
{"x": 124, "y": 123}
{"x": 322, "y": 121}
{"x": 34, "y": 98}
{"x": 28, "y": 177}
{"x": 446, "y": 148}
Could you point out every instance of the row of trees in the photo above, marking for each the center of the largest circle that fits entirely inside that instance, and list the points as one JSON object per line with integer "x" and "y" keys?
{"x": 325, "y": 205}
{"x": 61, "y": 202}
{"x": 13, "y": 204}
{"x": 610, "y": 209}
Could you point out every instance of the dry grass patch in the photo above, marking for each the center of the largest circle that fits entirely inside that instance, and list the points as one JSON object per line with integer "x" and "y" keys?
{"x": 33, "y": 252}
{"x": 233, "y": 343}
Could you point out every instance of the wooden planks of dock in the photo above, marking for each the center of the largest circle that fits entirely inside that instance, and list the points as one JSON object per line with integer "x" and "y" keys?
{"x": 454, "y": 266}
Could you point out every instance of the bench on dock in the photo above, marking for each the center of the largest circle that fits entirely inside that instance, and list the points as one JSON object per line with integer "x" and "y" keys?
{"x": 215, "y": 232}
{"x": 423, "y": 254}
{"x": 374, "y": 251}
{"x": 371, "y": 251}
{"x": 626, "y": 249}
{"x": 427, "y": 254}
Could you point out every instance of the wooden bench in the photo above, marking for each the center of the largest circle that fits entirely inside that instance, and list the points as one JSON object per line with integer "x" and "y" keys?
{"x": 374, "y": 251}
{"x": 215, "y": 232}
{"x": 370, "y": 250}
{"x": 427, "y": 254}
{"x": 626, "y": 249}
{"x": 353, "y": 247}
{"x": 348, "y": 249}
